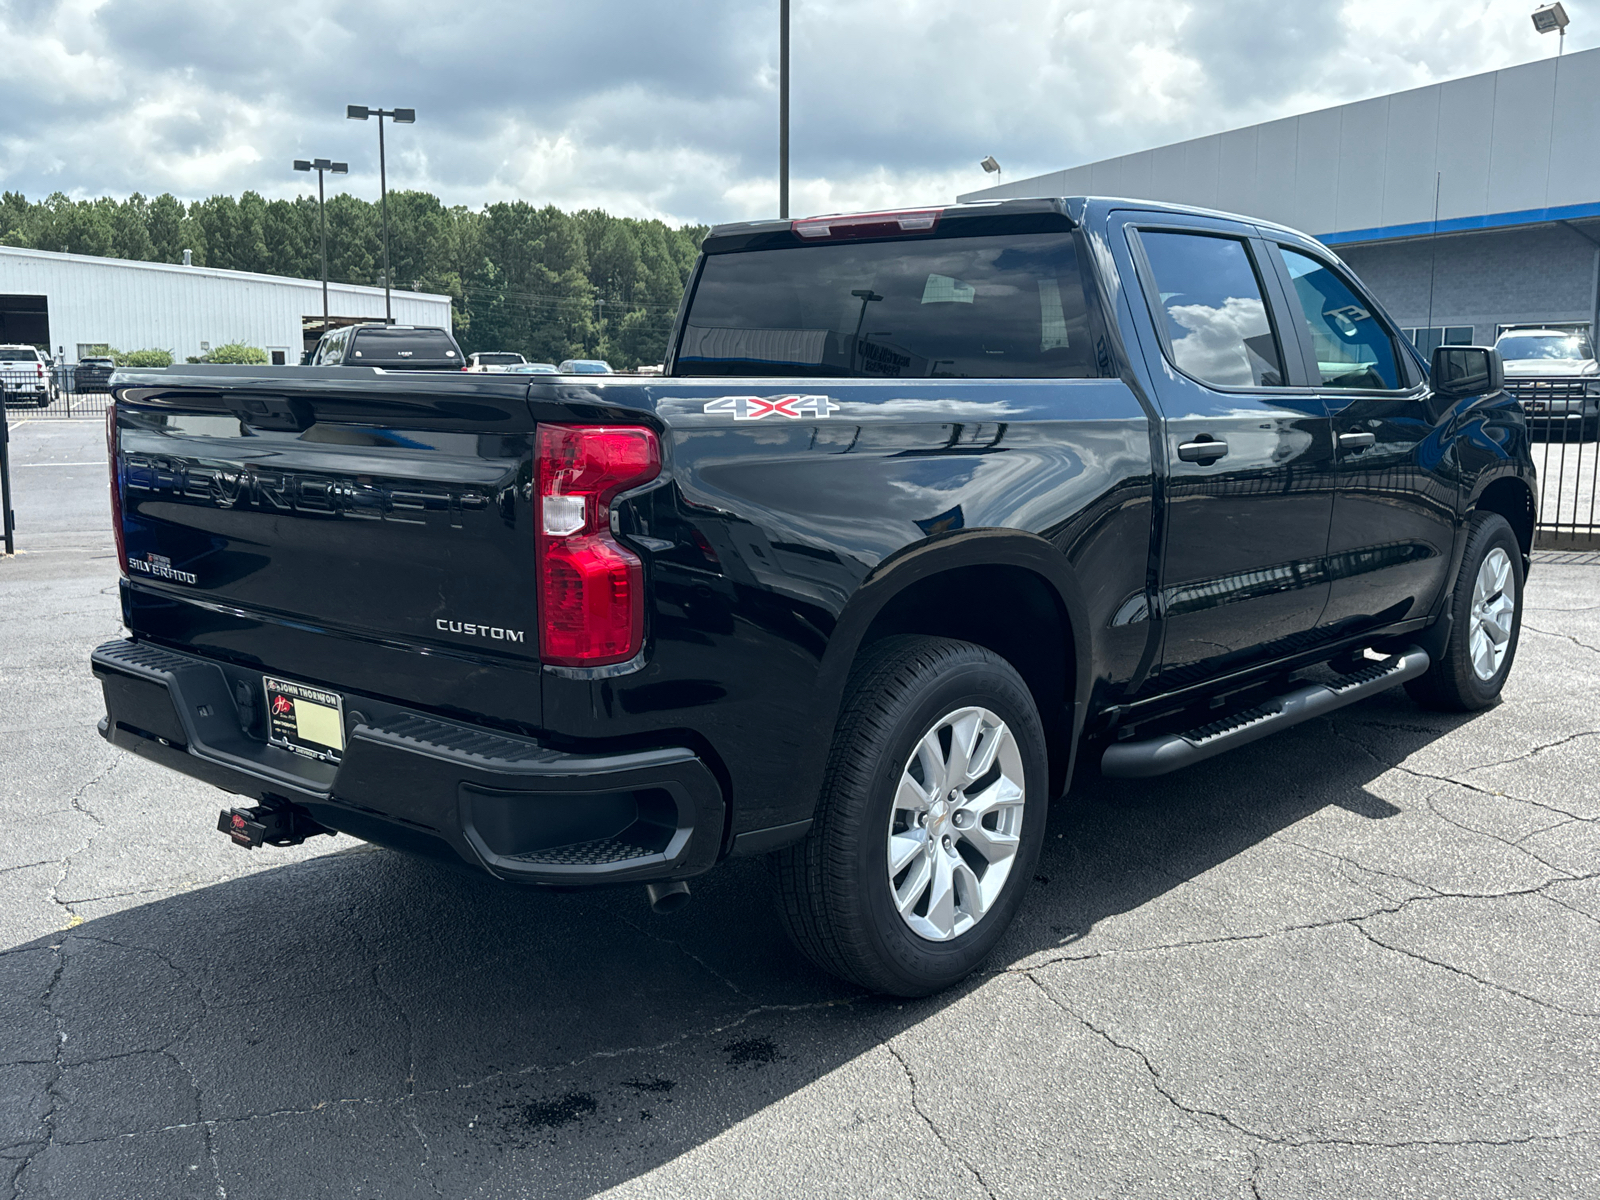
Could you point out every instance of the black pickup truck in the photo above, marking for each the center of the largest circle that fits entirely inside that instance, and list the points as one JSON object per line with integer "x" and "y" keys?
{"x": 926, "y": 507}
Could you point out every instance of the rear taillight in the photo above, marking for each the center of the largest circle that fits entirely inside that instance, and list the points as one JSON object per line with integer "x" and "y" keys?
{"x": 865, "y": 225}
{"x": 591, "y": 587}
{"x": 116, "y": 487}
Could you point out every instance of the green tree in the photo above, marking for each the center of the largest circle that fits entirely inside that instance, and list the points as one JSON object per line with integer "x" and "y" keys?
{"x": 165, "y": 218}
{"x": 130, "y": 229}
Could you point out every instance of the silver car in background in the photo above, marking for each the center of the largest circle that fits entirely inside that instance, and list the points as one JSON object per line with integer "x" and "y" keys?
{"x": 1554, "y": 374}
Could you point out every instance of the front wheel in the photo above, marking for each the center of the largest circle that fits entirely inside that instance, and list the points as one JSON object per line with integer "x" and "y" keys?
{"x": 1486, "y": 607}
{"x": 930, "y": 821}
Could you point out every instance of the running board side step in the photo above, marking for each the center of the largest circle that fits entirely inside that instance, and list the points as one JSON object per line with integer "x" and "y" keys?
{"x": 1157, "y": 756}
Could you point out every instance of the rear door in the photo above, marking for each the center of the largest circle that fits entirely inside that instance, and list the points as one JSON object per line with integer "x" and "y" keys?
{"x": 1395, "y": 496}
{"x": 1249, "y": 449}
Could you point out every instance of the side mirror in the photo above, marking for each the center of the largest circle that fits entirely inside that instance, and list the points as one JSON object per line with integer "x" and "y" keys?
{"x": 1462, "y": 371}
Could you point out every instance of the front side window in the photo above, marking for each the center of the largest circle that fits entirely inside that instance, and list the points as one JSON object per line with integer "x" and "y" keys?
{"x": 1217, "y": 328}
{"x": 1353, "y": 349}
{"x": 1000, "y": 307}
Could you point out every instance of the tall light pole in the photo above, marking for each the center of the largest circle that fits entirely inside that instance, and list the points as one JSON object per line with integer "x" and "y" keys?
{"x": 400, "y": 116}
{"x": 783, "y": 109}
{"x": 319, "y": 165}
{"x": 1552, "y": 18}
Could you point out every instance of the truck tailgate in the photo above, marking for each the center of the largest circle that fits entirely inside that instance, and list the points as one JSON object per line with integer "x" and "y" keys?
{"x": 369, "y": 534}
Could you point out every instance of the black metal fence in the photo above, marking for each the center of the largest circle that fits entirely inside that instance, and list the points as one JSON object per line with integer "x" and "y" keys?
{"x": 56, "y": 392}
{"x": 1564, "y": 423}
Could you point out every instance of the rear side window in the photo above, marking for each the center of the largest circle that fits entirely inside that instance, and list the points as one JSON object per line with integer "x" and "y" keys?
{"x": 1353, "y": 348}
{"x": 379, "y": 346}
{"x": 951, "y": 308}
{"x": 1216, "y": 324}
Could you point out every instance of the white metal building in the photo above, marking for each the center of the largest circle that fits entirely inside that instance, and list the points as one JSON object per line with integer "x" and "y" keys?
{"x": 79, "y": 305}
{"x": 1511, "y": 156}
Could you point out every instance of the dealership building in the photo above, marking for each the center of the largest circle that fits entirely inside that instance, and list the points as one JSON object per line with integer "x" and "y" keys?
{"x": 78, "y": 305}
{"x": 1466, "y": 206}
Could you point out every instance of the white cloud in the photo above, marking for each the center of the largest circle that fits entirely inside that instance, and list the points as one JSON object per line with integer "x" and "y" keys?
{"x": 670, "y": 110}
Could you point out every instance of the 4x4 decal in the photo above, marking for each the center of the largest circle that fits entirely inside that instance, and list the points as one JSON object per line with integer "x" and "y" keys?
{"x": 753, "y": 408}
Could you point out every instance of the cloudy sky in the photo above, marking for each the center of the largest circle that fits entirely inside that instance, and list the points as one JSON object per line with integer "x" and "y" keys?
{"x": 668, "y": 107}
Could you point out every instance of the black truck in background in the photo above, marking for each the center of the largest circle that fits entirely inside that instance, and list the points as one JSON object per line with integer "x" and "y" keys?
{"x": 926, "y": 506}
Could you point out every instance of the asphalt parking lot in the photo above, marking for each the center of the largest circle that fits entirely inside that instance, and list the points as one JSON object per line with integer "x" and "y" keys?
{"x": 1354, "y": 960}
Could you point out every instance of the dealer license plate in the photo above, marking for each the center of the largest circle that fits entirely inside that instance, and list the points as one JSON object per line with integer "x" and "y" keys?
{"x": 305, "y": 719}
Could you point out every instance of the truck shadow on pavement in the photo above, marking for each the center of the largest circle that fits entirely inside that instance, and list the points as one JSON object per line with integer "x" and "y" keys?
{"x": 366, "y": 1023}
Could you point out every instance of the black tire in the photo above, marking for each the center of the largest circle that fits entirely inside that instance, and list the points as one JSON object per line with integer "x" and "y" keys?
{"x": 833, "y": 888}
{"x": 1451, "y": 683}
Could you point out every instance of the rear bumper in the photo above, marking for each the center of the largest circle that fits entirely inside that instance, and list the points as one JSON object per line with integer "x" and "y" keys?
{"x": 518, "y": 810}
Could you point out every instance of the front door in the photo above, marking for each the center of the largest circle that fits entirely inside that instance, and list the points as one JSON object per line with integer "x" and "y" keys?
{"x": 1249, "y": 453}
{"x": 1395, "y": 496}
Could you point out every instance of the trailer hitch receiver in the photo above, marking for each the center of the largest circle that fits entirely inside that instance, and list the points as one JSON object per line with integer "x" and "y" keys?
{"x": 269, "y": 824}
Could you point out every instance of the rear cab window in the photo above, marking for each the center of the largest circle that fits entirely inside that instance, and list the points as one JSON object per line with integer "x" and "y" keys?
{"x": 943, "y": 307}
{"x": 381, "y": 347}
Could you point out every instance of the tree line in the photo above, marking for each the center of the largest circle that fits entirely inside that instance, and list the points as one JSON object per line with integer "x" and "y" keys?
{"x": 546, "y": 283}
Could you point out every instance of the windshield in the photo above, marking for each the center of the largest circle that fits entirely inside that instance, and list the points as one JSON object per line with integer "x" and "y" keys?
{"x": 1544, "y": 345}
{"x": 976, "y": 307}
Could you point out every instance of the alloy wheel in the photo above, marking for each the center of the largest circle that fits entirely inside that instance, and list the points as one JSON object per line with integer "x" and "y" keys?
{"x": 1494, "y": 606}
{"x": 955, "y": 824}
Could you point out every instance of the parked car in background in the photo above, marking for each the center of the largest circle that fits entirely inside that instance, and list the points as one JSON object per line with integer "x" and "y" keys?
{"x": 493, "y": 361}
{"x": 1554, "y": 374}
{"x": 93, "y": 374}
{"x": 529, "y": 368}
{"x": 24, "y": 376}
{"x": 586, "y": 366}
{"x": 392, "y": 347}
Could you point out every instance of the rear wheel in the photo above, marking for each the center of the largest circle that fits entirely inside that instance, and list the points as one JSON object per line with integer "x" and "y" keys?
{"x": 930, "y": 821}
{"x": 1486, "y": 607}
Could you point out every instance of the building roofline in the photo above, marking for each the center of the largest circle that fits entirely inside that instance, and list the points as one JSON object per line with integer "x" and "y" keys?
{"x": 217, "y": 273}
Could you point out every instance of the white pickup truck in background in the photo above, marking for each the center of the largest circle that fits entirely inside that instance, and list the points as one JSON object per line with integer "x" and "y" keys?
{"x": 25, "y": 376}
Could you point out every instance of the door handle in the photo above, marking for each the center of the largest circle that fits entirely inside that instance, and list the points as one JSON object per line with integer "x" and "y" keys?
{"x": 1356, "y": 441}
{"x": 1202, "y": 452}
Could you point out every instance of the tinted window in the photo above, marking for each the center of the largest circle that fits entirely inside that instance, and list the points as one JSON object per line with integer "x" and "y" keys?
{"x": 1217, "y": 327}
{"x": 497, "y": 360}
{"x": 401, "y": 346}
{"x": 982, "y": 307}
{"x": 1352, "y": 347}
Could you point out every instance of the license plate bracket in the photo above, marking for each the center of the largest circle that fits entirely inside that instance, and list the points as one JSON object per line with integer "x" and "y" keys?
{"x": 306, "y": 720}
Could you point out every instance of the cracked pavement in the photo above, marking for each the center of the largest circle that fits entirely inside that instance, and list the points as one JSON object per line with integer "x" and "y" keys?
{"x": 1354, "y": 959}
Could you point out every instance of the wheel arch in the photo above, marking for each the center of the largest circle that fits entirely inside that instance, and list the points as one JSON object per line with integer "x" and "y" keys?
{"x": 1513, "y": 498}
{"x": 1030, "y": 611}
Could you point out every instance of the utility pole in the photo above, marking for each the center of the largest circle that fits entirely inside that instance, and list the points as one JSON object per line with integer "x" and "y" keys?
{"x": 783, "y": 109}
{"x": 319, "y": 165}
{"x": 401, "y": 116}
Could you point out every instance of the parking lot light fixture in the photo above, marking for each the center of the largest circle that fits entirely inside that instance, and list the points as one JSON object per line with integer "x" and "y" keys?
{"x": 991, "y": 167}
{"x": 1552, "y": 18}
{"x": 320, "y": 165}
{"x": 401, "y": 116}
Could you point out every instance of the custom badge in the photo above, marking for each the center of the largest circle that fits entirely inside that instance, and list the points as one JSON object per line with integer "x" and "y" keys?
{"x": 753, "y": 408}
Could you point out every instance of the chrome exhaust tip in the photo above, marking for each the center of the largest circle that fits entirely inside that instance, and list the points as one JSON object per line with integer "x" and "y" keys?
{"x": 666, "y": 897}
